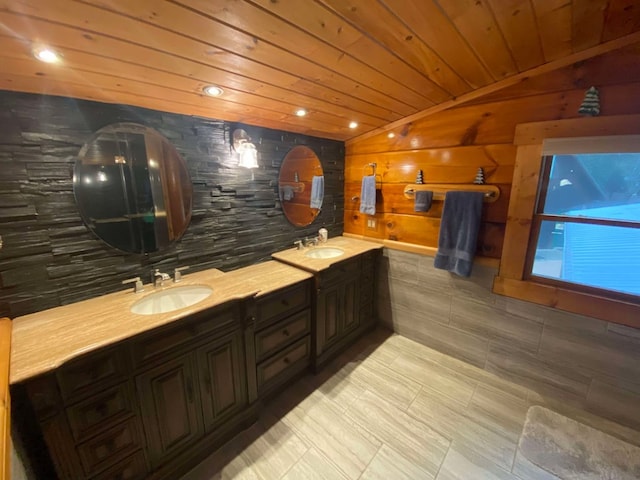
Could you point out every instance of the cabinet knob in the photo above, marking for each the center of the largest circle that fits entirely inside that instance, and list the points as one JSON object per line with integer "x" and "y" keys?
{"x": 285, "y": 332}
{"x": 286, "y": 360}
{"x": 285, "y": 303}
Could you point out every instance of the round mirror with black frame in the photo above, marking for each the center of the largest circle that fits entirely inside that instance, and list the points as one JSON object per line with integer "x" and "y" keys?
{"x": 133, "y": 188}
{"x": 301, "y": 186}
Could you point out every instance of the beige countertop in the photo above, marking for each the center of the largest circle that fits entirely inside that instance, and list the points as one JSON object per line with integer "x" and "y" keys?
{"x": 45, "y": 340}
{"x": 351, "y": 247}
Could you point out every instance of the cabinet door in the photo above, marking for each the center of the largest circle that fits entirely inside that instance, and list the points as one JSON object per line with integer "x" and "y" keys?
{"x": 350, "y": 316}
{"x": 223, "y": 379}
{"x": 328, "y": 312}
{"x": 170, "y": 409}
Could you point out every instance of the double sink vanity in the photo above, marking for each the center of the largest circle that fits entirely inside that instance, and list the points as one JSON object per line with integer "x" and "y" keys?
{"x": 103, "y": 392}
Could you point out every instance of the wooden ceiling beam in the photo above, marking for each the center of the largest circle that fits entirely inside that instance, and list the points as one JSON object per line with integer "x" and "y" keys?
{"x": 507, "y": 82}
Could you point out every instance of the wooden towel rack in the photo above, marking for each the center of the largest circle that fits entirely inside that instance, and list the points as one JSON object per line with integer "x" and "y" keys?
{"x": 298, "y": 187}
{"x": 491, "y": 192}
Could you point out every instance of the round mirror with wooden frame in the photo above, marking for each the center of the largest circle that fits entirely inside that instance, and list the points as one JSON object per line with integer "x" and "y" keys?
{"x": 133, "y": 188}
{"x": 296, "y": 182}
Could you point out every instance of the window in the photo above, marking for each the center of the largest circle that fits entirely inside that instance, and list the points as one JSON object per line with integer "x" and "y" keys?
{"x": 586, "y": 227}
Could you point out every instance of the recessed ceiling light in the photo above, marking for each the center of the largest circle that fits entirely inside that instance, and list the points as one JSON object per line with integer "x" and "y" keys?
{"x": 301, "y": 112}
{"x": 353, "y": 125}
{"x": 212, "y": 90}
{"x": 46, "y": 54}
{"x": 391, "y": 135}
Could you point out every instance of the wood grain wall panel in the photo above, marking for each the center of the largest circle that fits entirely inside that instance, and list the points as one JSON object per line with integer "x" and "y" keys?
{"x": 129, "y": 60}
{"x": 494, "y": 123}
{"x": 475, "y": 21}
{"x": 391, "y": 199}
{"x": 169, "y": 20}
{"x": 154, "y": 85}
{"x": 374, "y": 62}
{"x": 450, "y": 146}
{"x": 623, "y": 16}
{"x": 588, "y": 23}
{"x": 253, "y": 59}
{"x": 323, "y": 24}
{"x": 516, "y": 19}
{"x": 419, "y": 230}
{"x": 79, "y": 90}
{"x": 397, "y": 38}
{"x": 426, "y": 19}
{"x": 5, "y": 401}
{"x": 595, "y": 71}
{"x": 553, "y": 18}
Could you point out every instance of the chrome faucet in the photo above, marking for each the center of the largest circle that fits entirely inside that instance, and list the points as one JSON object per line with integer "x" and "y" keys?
{"x": 310, "y": 242}
{"x": 159, "y": 277}
{"x": 177, "y": 274}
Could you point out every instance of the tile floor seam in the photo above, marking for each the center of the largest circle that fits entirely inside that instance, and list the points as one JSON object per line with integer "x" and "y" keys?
{"x": 435, "y": 477}
{"x": 515, "y": 453}
{"x": 372, "y": 458}
{"x": 295, "y": 463}
{"x": 475, "y": 389}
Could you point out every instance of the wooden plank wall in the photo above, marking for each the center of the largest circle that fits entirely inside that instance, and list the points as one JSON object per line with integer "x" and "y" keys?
{"x": 5, "y": 400}
{"x": 450, "y": 146}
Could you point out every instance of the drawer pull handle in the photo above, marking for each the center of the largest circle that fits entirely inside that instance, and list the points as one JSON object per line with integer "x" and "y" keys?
{"x": 285, "y": 332}
{"x": 286, "y": 360}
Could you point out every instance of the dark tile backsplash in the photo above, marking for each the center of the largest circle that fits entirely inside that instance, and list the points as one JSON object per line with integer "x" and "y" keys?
{"x": 50, "y": 258}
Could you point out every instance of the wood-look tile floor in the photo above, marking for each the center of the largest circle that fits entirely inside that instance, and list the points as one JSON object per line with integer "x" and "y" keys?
{"x": 389, "y": 409}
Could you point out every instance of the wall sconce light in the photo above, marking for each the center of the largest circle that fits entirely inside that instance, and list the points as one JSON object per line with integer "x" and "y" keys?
{"x": 247, "y": 153}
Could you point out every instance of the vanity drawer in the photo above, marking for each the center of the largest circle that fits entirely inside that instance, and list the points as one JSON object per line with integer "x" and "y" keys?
{"x": 279, "y": 335}
{"x": 131, "y": 468}
{"x": 109, "y": 447}
{"x": 92, "y": 372}
{"x": 99, "y": 411}
{"x": 283, "y": 303}
{"x": 284, "y": 365}
{"x": 150, "y": 346}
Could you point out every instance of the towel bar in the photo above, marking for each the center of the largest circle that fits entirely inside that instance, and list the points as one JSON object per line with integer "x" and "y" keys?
{"x": 491, "y": 192}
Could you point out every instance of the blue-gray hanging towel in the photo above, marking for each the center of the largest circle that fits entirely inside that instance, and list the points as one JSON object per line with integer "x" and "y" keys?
{"x": 317, "y": 192}
{"x": 368, "y": 195}
{"x": 459, "y": 232}
{"x": 422, "y": 200}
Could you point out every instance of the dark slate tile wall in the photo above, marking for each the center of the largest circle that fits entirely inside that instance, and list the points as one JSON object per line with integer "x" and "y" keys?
{"x": 50, "y": 258}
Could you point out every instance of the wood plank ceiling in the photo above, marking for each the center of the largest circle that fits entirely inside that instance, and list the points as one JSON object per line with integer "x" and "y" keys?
{"x": 370, "y": 61}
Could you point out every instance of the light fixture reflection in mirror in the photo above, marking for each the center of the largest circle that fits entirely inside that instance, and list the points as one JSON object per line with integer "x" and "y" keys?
{"x": 247, "y": 153}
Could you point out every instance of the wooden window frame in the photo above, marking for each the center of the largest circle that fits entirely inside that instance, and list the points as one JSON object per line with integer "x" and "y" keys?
{"x": 513, "y": 279}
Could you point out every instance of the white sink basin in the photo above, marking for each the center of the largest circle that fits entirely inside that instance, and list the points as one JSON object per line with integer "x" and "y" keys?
{"x": 171, "y": 299}
{"x": 324, "y": 252}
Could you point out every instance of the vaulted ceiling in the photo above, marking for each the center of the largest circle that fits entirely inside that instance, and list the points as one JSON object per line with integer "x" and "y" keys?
{"x": 375, "y": 62}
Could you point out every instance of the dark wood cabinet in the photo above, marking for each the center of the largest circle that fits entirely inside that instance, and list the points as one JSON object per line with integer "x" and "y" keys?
{"x": 336, "y": 311}
{"x": 222, "y": 378}
{"x": 343, "y": 305}
{"x": 150, "y": 406}
{"x": 171, "y": 416}
{"x": 153, "y": 405}
{"x": 282, "y": 336}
